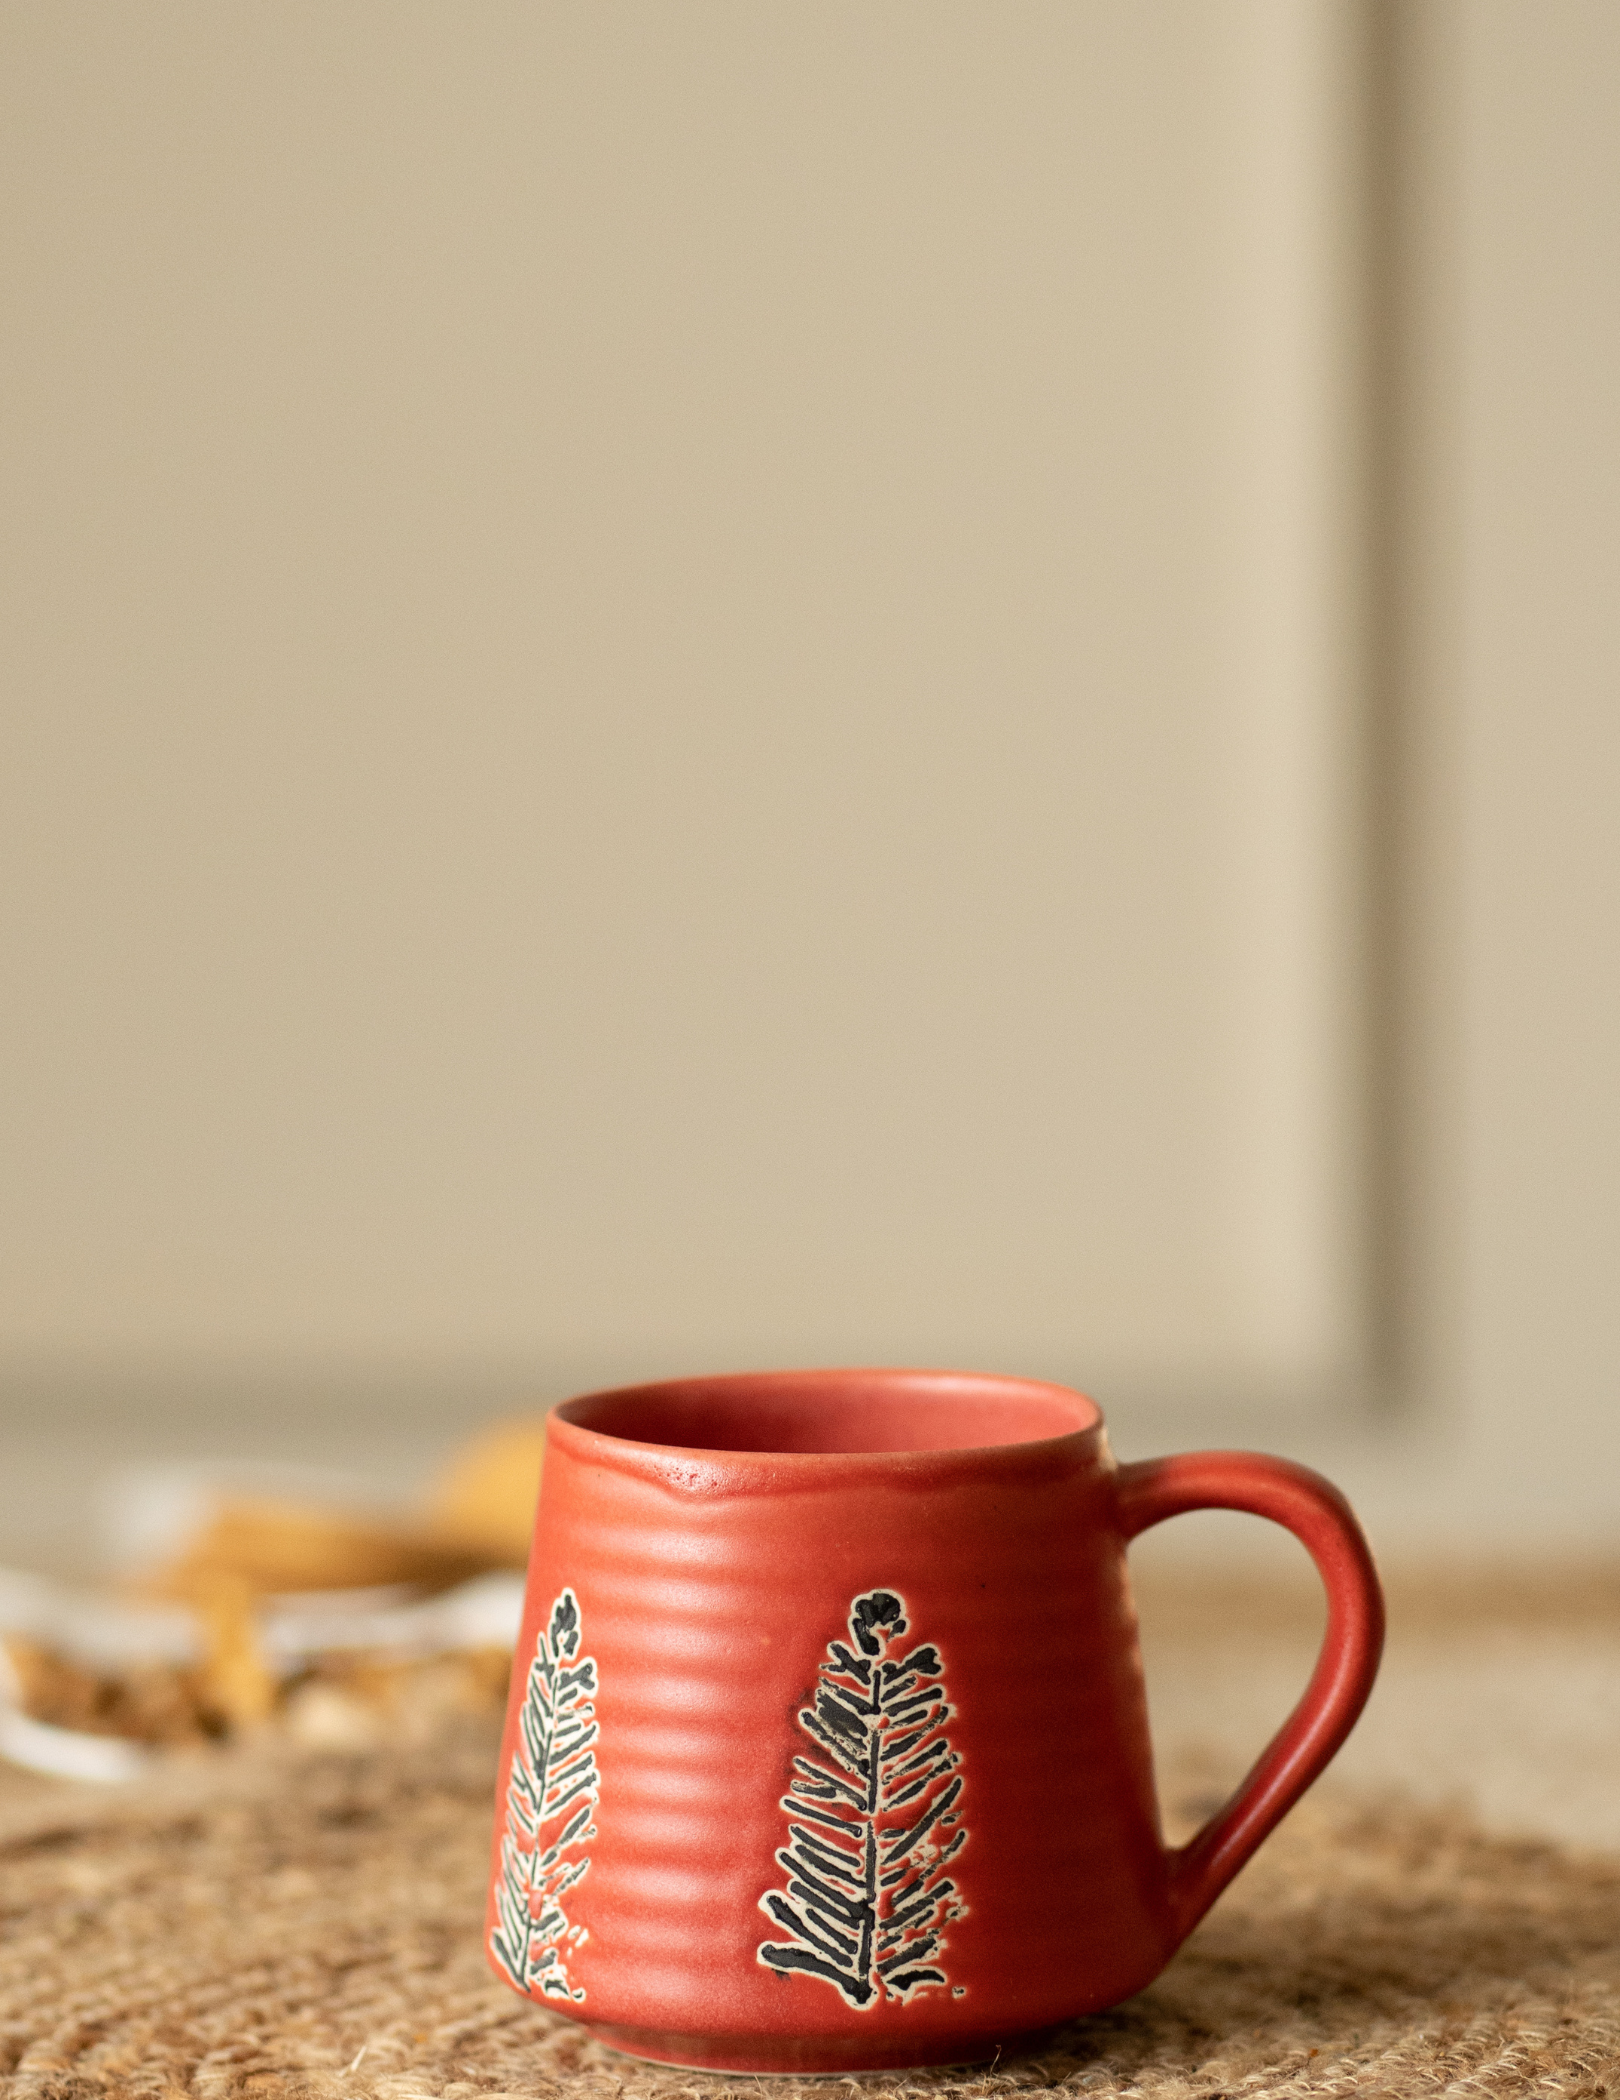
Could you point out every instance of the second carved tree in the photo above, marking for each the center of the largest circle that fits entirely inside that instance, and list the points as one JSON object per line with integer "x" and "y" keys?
{"x": 875, "y": 1818}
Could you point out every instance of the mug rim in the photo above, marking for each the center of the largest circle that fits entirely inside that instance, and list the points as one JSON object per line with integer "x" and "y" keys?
{"x": 638, "y": 1452}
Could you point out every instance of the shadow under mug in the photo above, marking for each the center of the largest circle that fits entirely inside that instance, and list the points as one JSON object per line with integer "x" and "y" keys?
{"x": 827, "y": 1747}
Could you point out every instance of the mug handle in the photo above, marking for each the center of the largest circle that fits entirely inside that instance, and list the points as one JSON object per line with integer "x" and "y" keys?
{"x": 1319, "y": 1517}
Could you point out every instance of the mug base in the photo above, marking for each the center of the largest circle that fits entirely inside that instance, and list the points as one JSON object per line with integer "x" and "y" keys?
{"x": 811, "y": 2056}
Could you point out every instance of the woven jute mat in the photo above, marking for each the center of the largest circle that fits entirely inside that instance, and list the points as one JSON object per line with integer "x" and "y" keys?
{"x": 279, "y": 1925}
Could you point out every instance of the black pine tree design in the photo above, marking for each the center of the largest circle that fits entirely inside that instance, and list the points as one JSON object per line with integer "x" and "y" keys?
{"x": 875, "y": 1817}
{"x": 549, "y": 1795}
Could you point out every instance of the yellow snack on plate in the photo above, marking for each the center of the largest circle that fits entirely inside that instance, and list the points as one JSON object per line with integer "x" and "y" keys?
{"x": 485, "y": 1500}
{"x": 273, "y": 1547}
{"x": 236, "y": 1682}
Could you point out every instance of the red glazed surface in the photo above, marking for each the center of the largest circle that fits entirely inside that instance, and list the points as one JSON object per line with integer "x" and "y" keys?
{"x": 800, "y": 1862}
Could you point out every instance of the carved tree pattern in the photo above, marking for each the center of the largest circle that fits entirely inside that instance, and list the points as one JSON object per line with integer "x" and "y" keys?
{"x": 549, "y": 1796}
{"x": 875, "y": 1817}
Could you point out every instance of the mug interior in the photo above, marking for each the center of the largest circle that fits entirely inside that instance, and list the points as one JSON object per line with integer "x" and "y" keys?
{"x": 837, "y": 1412}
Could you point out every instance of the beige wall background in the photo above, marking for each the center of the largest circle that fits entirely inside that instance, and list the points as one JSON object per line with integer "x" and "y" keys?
{"x": 700, "y": 686}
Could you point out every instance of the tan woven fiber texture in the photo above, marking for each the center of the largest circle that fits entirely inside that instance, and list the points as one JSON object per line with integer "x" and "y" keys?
{"x": 277, "y": 1926}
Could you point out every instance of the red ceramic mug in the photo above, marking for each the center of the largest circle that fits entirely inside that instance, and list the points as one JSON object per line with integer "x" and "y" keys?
{"x": 827, "y": 1747}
